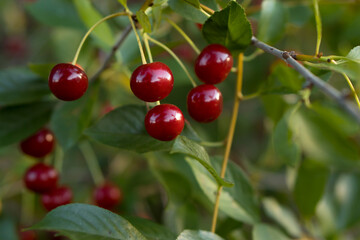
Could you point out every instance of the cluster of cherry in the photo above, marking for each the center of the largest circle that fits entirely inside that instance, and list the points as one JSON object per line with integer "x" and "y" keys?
{"x": 43, "y": 179}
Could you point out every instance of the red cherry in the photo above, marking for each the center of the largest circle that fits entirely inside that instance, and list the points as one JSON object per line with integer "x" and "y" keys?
{"x": 205, "y": 103}
{"x": 40, "y": 178}
{"x": 199, "y": 26}
{"x": 152, "y": 82}
{"x": 164, "y": 122}
{"x": 107, "y": 196}
{"x": 213, "y": 64}
{"x": 68, "y": 82}
{"x": 27, "y": 235}
{"x": 56, "y": 197}
{"x": 39, "y": 145}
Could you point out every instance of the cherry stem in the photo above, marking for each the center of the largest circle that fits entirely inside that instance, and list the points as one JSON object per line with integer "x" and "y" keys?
{"x": 252, "y": 56}
{"x": 205, "y": 9}
{"x": 212, "y": 144}
{"x": 318, "y": 26}
{"x": 92, "y": 162}
{"x": 310, "y": 58}
{"x": 143, "y": 59}
{"x": 92, "y": 29}
{"x": 146, "y": 42}
{"x": 27, "y": 207}
{"x": 230, "y": 137}
{"x": 353, "y": 91}
{"x": 185, "y": 36}
{"x": 175, "y": 57}
{"x": 58, "y": 159}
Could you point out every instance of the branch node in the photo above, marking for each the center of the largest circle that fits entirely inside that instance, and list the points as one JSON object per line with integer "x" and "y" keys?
{"x": 285, "y": 55}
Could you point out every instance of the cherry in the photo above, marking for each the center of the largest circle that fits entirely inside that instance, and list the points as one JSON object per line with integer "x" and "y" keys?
{"x": 68, "y": 82}
{"x": 107, "y": 196}
{"x": 40, "y": 178}
{"x": 39, "y": 145}
{"x": 164, "y": 122}
{"x": 205, "y": 103}
{"x": 152, "y": 82}
{"x": 213, "y": 64}
{"x": 56, "y": 197}
{"x": 27, "y": 235}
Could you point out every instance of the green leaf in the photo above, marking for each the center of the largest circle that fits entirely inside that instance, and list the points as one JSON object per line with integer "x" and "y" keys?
{"x": 42, "y": 70}
{"x": 237, "y": 202}
{"x": 70, "y": 120}
{"x": 354, "y": 54}
{"x": 272, "y": 21}
{"x": 309, "y": 186}
{"x": 282, "y": 215}
{"x": 198, "y": 235}
{"x": 285, "y": 147}
{"x": 19, "y": 85}
{"x": 123, "y": 2}
{"x": 8, "y": 228}
{"x": 55, "y": 13}
{"x": 188, "y": 10}
{"x": 265, "y": 232}
{"x": 19, "y": 122}
{"x": 124, "y": 128}
{"x": 144, "y": 21}
{"x": 90, "y": 16}
{"x": 151, "y": 230}
{"x": 195, "y": 151}
{"x": 323, "y": 140}
{"x": 82, "y": 221}
{"x": 229, "y": 27}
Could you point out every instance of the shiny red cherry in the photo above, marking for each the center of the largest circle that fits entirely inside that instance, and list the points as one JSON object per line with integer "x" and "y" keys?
{"x": 107, "y": 196}
{"x": 39, "y": 145}
{"x": 41, "y": 178}
{"x": 213, "y": 64}
{"x": 68, "y": 82}
{"x": 56, "y": 197}
{"x": 164, "y": 122}
{"x": 152, "y": 82}
{"x": 205, "y": 103}
{"x": 27, "y": 235}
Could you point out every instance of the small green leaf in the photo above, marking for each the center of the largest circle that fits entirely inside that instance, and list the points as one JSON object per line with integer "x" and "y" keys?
{"x": 195, "y": 151}
{"x": 238, "y": 201}
{"x": 55, "y": 13}
{"x": 266, "y": 232}
{"x": 19, "y": 122}
{"x": 282, "y": 215}
{"x": 19, "y": 85}
{"x": 150, "y": 229}
{"x": 188, "y": 10}
{"x": 354, "y": 54}
{"x": 82, "y": 221}
{"x": 70, "y": 120}
{"x": 229, "y": 27}
{"x": 144, "y": 21}
{"x": 272, "y": 21}
{"x": 198, "y": 235}
{"x": 90, "y": 16}
{"x": 309, "y": 186}
{"x": 123, "y": 2}
{"x": 285, "y": 147}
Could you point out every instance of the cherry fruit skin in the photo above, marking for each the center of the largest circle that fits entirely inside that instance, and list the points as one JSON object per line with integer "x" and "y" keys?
{"x": 56, "y": 197}
{"x": 213, "y": 64}
{"x": 107, "y": 196}
{"x": 205, "y": 103}
{"x": 152, "y": 82}
{"x": 68, "y": 82}
{"x": 41, "y": 178}
{"x": 39, "y": 145}
{"x": 164, "y": 122}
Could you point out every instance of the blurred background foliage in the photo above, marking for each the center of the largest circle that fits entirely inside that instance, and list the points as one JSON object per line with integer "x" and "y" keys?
{"x": 303, "y": 163}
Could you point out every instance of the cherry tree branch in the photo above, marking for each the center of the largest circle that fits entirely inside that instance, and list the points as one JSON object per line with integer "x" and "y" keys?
{"x": 316, "y": 81}
{"x": 109, "y": 57}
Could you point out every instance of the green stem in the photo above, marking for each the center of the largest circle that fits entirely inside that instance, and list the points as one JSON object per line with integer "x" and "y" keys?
{"x": 185, "y": 36}
{"x": 147, "y": 47}
{"x": 143, "y": 59}
{"x": 92, "y": 162}
{"x": 310, "y": 58}
{"x": 92, "y": 29}
{"x": 318, "y": 26}
{"x": 59, "y": 158}
{"x": 175, "y": 57}
{"x": 253, "y": 55}
{"x": 353, "y": 91}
